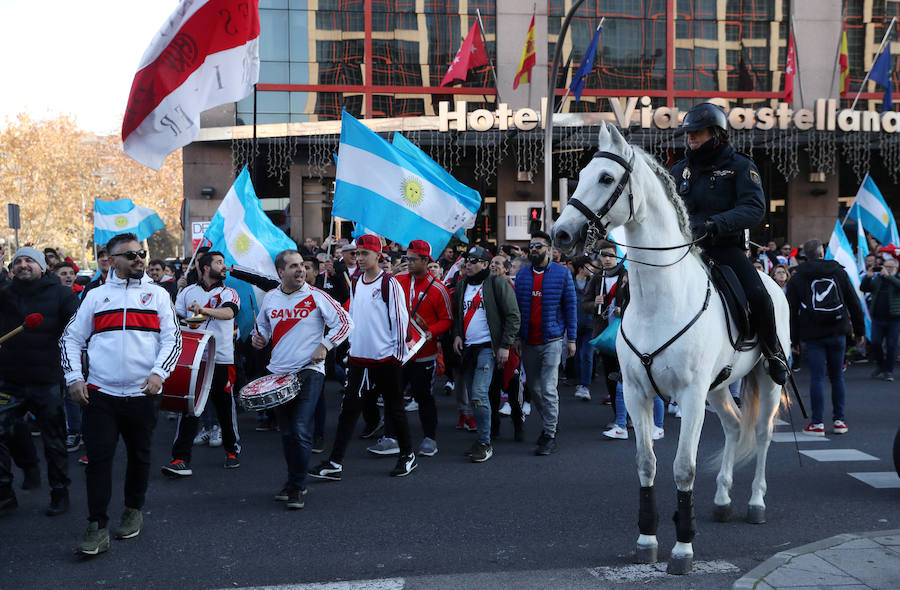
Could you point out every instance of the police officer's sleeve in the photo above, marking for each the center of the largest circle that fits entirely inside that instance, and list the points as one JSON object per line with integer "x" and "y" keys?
{"x": 750, "y": 202}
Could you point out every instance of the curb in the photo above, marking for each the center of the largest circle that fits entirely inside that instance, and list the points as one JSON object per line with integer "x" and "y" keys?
{"x": 751, "y": 579}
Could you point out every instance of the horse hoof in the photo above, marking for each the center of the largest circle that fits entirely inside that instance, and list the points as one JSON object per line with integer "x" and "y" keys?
{"x": 756, "y": 514}
{"x": 680, "y": 566}
{"x": 645, "y": 554}
{"x": 722, "y": 513}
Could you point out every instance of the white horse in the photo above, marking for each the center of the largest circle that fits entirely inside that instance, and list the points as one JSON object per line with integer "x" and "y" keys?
{"x": 671, "y": 303}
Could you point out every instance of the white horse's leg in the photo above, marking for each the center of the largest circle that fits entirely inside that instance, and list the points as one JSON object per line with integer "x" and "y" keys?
{"x": 769, "y": 399}
{"x": 693, "y": 412}
{"x": 640, "y": 407}
{"x": 730, "y": 417}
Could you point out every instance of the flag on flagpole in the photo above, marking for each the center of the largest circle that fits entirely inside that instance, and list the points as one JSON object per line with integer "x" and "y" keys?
{"x": 877, "y": 219}
{"x": 205, "y": 55}
{"x": 526, "y": 62}
{"x": 123, "y": 216}
{"x": 397, "y": 195}
{"x": 471, "y": 54}
{"x": 862, "y": 246}
{"x": 586, "y": 66}
{"x": 882, "y": 74}
{"x": 840, "y": 251}
{"x": 790, "y": 68}
{"x": 245, "y": 235}
{"x": 844, "y": 62}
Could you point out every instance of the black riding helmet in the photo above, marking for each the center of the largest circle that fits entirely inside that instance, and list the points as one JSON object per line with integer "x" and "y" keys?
{"x": 706, "y": 115}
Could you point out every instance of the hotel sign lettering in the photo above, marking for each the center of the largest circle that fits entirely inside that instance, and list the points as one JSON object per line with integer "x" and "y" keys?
{"x": 825, "y": 116}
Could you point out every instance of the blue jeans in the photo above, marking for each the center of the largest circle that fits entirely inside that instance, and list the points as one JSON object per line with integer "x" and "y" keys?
{"x": 295, "y": 420}
{"x": 542, "y": 371}
{"x": 584, "y": 358}
{"x": 73, "y": 412}
{"x": 888, "y": 332}
{"x": 477, "y": 371}
{"x": 659, "y": 409}
{"x": 826, "y": 356}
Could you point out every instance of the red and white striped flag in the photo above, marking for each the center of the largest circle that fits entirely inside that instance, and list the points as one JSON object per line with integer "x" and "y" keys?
{"x": 205, "y": 55}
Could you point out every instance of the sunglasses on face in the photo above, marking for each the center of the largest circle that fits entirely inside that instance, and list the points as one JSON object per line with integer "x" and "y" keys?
{"x": 536, "y": 246}
{"x": 132, "y": 254}
{"x": 472, "y": 260}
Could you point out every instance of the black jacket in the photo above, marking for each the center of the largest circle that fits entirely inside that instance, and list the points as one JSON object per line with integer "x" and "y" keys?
{"x": 798, "y": 290}
{"x": 724, "y": 186}
{"x": 33, "y": 356}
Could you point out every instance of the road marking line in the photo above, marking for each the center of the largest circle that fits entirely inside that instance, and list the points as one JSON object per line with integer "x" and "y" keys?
{"x": 878, "y": 479}
{"x": 385, "y": 584}
{"x": 839, "y": 455}
{"x": 788, "y": 437}
{"x": 640, "y": 572}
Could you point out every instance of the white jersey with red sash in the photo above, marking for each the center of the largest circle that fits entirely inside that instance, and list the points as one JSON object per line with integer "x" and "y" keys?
{"x": 475, "y": 323}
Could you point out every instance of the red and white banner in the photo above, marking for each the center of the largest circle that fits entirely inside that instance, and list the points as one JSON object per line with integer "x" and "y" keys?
{"x": 206, "y": 55}
{"x": 471, "y": 54}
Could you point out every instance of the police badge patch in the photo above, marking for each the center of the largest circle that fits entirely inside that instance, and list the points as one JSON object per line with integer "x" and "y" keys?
{"x": 754, "y": 176}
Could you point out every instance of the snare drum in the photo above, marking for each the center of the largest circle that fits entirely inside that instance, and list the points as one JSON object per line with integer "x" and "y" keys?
{"x": 270, "y": 391}
{"x": 187, "y": 388}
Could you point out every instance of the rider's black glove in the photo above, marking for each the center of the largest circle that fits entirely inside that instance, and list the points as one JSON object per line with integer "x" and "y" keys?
{"x": 705, "y": 229}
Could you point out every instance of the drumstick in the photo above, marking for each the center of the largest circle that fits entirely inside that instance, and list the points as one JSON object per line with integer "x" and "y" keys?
{"x": 32, "y": 321}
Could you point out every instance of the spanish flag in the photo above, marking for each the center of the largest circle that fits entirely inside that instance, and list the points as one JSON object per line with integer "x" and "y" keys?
{"x": 844, "y": 62}
{"x": 526, "y": 62}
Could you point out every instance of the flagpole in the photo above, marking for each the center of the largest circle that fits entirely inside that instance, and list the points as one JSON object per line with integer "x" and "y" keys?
{"x": 253, "y": 144}
{"x": 490, "y": 60}
{"x": 837, "y": 53}
{"x": 531, "y": 75}
{"x": 887, "y": 32}
{"x": 568, "y": 87}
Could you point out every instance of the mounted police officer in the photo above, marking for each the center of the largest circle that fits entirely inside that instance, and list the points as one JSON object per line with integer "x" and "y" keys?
{"x": 723, "y": 194}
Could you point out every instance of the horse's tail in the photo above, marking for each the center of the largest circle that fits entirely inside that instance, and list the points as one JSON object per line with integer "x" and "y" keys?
{"x": 746, "y": 444}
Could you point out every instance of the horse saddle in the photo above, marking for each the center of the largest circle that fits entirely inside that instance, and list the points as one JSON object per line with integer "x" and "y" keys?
{"x": 735, "y": 302}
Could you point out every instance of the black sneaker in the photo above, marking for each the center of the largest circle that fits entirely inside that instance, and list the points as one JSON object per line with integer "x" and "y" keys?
{"x": 482, "y": 453}
{"x": 73, "y": 442}
{"x": 295, "y": 500}
{"x": 372, "y": 432}
{"x": 59, "y": 502}
{"x": 318, "y": 445}
{"x": 405, "y": 465}
{"x": 282, "y": 496}
{"x": 177, "y": 469}
{"x": 265, "y": 425}
{"x": 471, "y": 449}
{"x": 546, "y": 446}
{"x": 232, "y": 461}
{"x": 326, "y": 470}
{"x": 889, "y": 377}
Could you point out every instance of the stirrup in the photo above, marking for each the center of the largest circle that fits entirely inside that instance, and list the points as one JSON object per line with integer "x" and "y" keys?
{"x": 778, "y": 368}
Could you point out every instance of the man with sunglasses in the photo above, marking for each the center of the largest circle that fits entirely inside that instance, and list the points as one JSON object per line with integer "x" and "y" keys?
{"x": 133, "y": 342}
{"x": 545, "y": 292}
{"x": 218, "y": 305}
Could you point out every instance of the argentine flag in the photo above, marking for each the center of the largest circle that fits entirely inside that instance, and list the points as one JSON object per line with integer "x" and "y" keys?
{"x": 245, "y": 235}
{"x": 876, "y": 216}
{"x": 123, "y": 216}
{"x": 397, "y": 191}
{"x": 839, "y": 250}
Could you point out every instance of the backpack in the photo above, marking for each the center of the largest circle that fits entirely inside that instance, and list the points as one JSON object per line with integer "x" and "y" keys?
{"x": 385, "y": 293}
{"x": 824, "y": 304}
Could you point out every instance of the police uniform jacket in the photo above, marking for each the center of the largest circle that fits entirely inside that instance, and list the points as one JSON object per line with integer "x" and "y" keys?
{"x": 721, "y": 185}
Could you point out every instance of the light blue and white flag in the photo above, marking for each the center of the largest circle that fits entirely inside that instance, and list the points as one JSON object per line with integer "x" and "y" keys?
{"x": 862, "y": 247}
{"x": 396, "y": 192}
{"x": 876, "y": 216}
{"x": 840, "y": 251}
{"x": 123, "y": 216}
{"x": 245, "y": 235}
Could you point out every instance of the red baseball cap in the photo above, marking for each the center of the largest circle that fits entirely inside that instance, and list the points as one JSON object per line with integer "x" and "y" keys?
{"x": 369, "y": 242}
{"x": 422, "y": 248}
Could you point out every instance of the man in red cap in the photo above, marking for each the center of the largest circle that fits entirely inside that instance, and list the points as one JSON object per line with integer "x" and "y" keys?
{"x": 428, "y": 303}
{"x": 377, "y": 346}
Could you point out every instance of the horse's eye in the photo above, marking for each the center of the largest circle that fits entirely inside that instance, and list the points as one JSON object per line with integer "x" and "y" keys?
{"x": 607, "y": 179}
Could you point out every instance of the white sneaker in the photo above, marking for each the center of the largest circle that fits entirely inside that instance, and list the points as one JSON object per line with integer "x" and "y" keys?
{"x": 202, "y": 437}
{"x": 582, "y": 393}
{"x": 678, "y": 411}
{"x": 505, "y": 410}
{"x": 658, "y": 433}
{"x": 215, "y": 436}
{"x": 448, "y": 387}
{"x": 526, "y": 409}
{"x": 616, "y": 433}
{"x": 412, "y": 406}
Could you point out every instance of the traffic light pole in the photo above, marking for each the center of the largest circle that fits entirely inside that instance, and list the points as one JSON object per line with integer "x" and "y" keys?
{"x": 548, "y": 116}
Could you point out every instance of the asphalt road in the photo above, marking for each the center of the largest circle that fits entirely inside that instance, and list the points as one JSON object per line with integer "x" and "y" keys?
{"x": 515, "y": 521}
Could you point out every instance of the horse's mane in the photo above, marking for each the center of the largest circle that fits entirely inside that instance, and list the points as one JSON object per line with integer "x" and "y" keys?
{"x": 668, "y": 186}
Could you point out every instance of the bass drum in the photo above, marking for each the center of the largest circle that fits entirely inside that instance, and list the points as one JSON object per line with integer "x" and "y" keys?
{"x": 187, "y": 388}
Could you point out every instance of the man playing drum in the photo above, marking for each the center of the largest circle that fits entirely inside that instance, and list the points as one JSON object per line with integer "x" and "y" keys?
{"x": 133, "y": 342}
{"x": 294, "y": 317}
{"x": 218, "y": 305}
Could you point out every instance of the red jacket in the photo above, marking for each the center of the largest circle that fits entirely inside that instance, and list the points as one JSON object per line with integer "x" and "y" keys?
{"x": 433, "y": 314}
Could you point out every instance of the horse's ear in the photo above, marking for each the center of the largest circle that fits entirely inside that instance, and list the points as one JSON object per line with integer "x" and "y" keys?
{"x": 616, "y": 137}
{"x": 603, "y": 137}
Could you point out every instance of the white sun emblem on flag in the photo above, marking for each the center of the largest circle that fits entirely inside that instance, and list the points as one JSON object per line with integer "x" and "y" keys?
{"x": 411, "y": 190}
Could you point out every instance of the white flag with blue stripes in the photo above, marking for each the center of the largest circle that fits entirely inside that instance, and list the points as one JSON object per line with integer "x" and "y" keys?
{"x": 877, "y": 218}
{"x": 840, "y": 251}
{"x": 397, "y": 191}
{"x": 123, "y": 216}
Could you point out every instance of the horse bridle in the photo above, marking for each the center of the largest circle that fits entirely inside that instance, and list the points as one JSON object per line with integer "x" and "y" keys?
{"x": 596, "y": 228}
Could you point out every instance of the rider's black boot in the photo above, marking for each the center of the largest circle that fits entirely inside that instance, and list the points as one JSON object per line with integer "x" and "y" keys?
{"x": 775, "y": 359}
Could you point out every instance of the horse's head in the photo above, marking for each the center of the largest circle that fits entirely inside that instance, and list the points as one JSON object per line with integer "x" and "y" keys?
{"x": 603, "y": 196}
